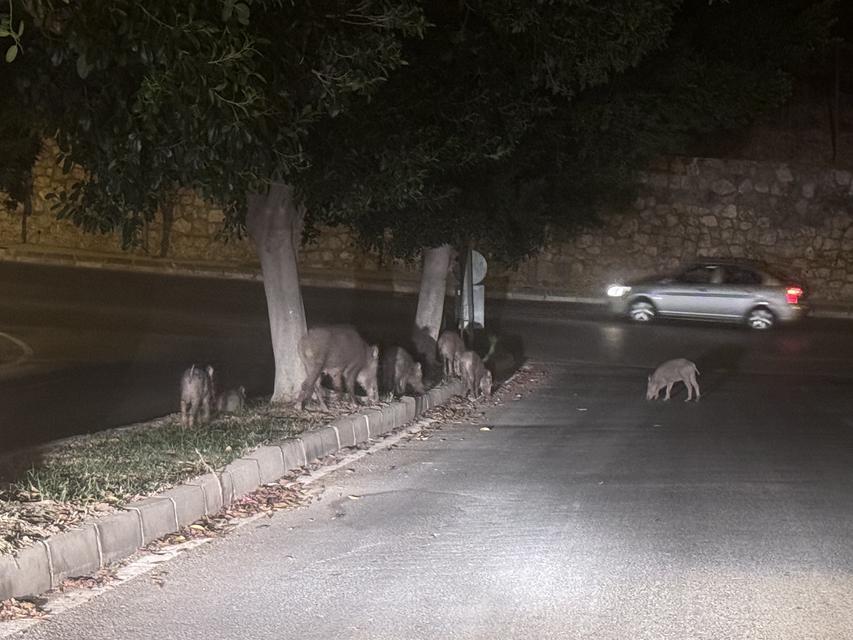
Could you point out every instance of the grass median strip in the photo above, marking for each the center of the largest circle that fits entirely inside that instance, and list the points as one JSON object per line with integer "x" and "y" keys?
{"x": 97, "y": 473}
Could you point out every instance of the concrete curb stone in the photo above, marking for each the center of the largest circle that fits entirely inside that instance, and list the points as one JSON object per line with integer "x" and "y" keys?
{"x": 27, "y": 573}
{"x": 74, "y": 553}
{"x": 120, "y": 535}
{"x": 114, "y": 537}
{"x": 293, "y": 453}
{"x": 189, "y": 503}
{"x": 211, "y": 490}
{"x": 312, "y": 443}
{"x": 157, "y": 517}
{"x": 270, "y": 463}
{"x": 240, "y": 476}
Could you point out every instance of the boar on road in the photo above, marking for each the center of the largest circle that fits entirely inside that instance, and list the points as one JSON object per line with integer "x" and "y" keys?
{"x": 670, "y": 372}
{"x": 477, "y": 379}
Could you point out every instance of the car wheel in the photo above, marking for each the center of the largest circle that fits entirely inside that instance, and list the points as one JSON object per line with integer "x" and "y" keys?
{"x": 642, "y": 311}
{"x": 760, "y": 319}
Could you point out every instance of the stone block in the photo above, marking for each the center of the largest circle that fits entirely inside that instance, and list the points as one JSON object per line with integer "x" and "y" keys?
{"x": 189, "y": 502}
{"x": 410, "y": 405}
{"x": 120, "y": 534}
{"x": 294, "y": 454}
{"x": 211, "y": 489}
{"x": 346, "y": 432}
{"x": 27, "y": 573}
{"x": 360, "y": 427}
{"x": 240, "y": 477}
{"x": 270, "y": 463}
{"x": 330, "y": 439}
{"x": 313, "y": 443}
{"x": 158, "y": 517}
{"x": 74, "y": 553}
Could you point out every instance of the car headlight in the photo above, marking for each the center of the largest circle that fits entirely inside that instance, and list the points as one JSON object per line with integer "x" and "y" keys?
{"x": 617, "y": 290}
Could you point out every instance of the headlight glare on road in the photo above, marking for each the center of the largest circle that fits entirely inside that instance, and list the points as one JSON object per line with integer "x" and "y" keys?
{"x": 617, "y": 290}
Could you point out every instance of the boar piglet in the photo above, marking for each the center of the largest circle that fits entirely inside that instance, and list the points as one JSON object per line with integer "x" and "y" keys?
{"x": 400, "y": 372}
{"x": 232, "y": 401}
{"x": 342, "y": 353}
{"x": 670, "y": 372}
{"x": 450, "y": 347}
{"x": 477, "y": 379}
{"x": 197, "y": 393}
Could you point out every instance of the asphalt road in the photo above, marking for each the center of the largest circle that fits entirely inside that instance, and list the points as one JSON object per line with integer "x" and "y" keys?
{"x": 586, "y": 512}
{"x": 108, "y": 348}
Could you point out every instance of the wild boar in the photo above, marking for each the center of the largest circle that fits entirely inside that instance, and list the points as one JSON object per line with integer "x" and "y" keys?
{"x": 477, "y": 379}
{"x": 340, "y": 352}
{"x": 232, "y": 401}
{"x": 670, "y": 372}
{"x": 401, "y": 373}
{"x": 197, "y": 393}
{"x": 450, "y": 347}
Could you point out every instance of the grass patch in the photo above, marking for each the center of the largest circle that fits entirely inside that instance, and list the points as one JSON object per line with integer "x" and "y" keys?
{"x": 118, "y": 466}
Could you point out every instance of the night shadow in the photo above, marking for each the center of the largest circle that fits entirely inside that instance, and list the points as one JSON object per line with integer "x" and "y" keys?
{"x": 718, "y": 364}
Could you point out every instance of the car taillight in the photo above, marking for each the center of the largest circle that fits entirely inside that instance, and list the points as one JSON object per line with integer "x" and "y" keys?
{"x": 793, "y": 294}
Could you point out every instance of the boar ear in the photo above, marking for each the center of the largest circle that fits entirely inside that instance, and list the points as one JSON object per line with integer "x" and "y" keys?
{"x": 374, "y": 351}
{"x": 418, "y": 367}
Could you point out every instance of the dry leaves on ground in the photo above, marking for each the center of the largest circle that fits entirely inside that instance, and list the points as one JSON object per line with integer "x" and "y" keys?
{"x": 14, "y": 609}
{"x": 267, "y": 499}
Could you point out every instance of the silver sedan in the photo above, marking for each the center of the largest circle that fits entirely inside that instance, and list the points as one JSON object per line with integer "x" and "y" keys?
{"x": 713, "y": 290}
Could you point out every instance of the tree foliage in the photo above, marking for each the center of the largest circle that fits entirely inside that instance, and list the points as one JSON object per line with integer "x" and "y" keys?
{"x": 489, "y": 136}
{"x": 437, "y": 121}
{"x": 215, "y": 96}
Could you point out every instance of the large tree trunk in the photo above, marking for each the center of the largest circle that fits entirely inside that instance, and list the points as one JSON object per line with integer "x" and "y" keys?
{"x": 274, "y": 221}
{"x": 431, "y": 303}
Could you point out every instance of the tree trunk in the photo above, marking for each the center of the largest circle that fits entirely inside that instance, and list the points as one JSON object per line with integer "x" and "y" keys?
{"x": 431, "y": 307}
{"x": 274, "y": 221}
{"x": 433, "y": 289}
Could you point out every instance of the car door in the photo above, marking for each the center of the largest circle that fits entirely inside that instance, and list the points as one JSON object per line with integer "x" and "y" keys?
{"x": 691, "y": 293}
{"x": 739, "y": 290}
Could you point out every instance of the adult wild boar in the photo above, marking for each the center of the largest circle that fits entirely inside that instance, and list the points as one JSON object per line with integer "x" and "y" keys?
{"x": 342, "y": 353}
{"x": 197, "y": 395}
{"x": 400, "y": 372}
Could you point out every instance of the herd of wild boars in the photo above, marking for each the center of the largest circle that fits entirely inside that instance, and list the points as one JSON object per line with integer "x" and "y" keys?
{"x": 340, "y": 358}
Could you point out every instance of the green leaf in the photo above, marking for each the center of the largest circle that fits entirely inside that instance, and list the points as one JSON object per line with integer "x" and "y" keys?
{"x": 242, "y": 13}
{"x": 83, "y": 67}
{"x": 21, "y": 28}
{"x": 11, "y": 53}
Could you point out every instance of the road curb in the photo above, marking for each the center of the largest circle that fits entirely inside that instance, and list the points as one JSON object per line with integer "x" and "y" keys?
{"x": 96, "y": 544}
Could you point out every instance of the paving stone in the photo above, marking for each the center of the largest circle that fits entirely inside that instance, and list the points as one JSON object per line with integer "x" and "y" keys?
{"x": 27, "y": 573}
{"x": 270, "y": 463}
{"x": 211, "y": 489}
{"x": 120, "y": 534}
{"x": 189, "y": 503}
{"x": 294, "y": 454}
{"x": 346, "y": 434}
{"x": 359, "y": 425}
{"x": 158, "y": 517}
{"x": 74, "y": 553}
{"x": 410, "y": 405}
{"x": 313, "y": 442}
{"x": 330, "y": 440}
{"x": 244, "y": 477}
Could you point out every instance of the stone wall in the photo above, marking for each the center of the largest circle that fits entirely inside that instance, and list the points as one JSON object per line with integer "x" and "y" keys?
{"x": 795, "y": 216}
